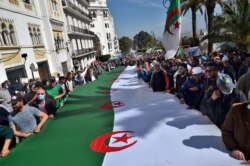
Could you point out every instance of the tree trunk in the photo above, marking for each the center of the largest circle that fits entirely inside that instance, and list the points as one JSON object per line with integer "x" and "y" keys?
{"x": 194, "y": 22}
{"x": 210, "y": 14}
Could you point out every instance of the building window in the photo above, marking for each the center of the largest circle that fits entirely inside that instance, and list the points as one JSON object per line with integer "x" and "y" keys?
{"x": 4, "y": 34}
{"x": 7, "y": 34}
{"x": 108, "y": 36}
{"x": 59, "y": 42}
{"x": 93, "y": 14}
{"x": 12, "y": 35}
{"x": 105, "y": 14}
{"x": 55, "y": 5}
{"x": 109, "y": 46}
{"x": 35, "y": 34}
{"x": 26, "y": 1}
{"x": 92, "y": 25}
{"x": 106, "y": 25}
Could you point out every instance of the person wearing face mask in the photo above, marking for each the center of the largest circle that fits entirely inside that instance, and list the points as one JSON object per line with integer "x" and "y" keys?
{"x": 45, "y": 103}
{"x": 236, "y": 131}
{"x": 218, "y": 101}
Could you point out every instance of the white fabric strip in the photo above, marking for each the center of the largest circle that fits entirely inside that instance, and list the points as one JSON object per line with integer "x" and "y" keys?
{"x": 167, "y": 134}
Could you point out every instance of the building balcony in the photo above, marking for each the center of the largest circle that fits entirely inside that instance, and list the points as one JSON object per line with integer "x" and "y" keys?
{"x": 28, "y": 6}
{"x": 79, "y": 31}
{"x": 84, "y": 2}
{"x": 83, "y": 52}
{"x": 14, "y": 2}
{"x": 76, "y": 11}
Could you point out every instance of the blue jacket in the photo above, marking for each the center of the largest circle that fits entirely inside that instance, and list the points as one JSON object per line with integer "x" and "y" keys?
{"x": 144, "y": 75}
{"x": 191, "y": 96}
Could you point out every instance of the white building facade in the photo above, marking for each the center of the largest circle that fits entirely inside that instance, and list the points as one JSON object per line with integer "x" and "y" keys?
{"x": 80, "y": 37}
{"x": 22, "y": 41}
{"x": 56, "y": 37}
{"x": 41, "y": 38}
{"x": 103, "y": 26}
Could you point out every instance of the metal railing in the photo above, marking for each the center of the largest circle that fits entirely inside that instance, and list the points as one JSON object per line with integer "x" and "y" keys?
{"x": 80, "y": 30}
{"x": 73, "y": 6}
{"x": 82, "y": 51}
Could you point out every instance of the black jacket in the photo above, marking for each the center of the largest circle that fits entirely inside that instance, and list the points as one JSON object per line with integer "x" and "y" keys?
{"x": 217, "y": 109}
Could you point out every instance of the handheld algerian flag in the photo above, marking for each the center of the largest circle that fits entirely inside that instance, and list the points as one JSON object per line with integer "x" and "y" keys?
{"x": 172, "y": 32}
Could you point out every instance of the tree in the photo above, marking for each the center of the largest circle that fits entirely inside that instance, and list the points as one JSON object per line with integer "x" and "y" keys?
{"x": 234, "y": 26}
{"x": 193, "y": 5}
{"x": 210, "y": 6}
{"x": 238, "y": 22}
{"x": 143, "y": 40}
{"x": 125, "y": 44}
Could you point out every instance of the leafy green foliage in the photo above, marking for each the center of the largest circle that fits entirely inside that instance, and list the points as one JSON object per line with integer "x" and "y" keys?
{"x": 143, "y": 40}
{"x": 125, "y": 44}
{"x": 104, "y": 58}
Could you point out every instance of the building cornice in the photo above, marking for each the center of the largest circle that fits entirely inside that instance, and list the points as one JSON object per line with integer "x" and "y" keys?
{"x": 19, "y": 12}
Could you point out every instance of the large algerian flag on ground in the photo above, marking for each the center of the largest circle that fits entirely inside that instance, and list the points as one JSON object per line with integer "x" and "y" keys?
{"x": 123, "y": 125}
{"x": 172, "y": 31}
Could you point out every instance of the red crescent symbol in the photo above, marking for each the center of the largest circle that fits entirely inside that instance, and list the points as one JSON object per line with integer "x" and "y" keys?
{"x": 110, "y": 105}
{"x": 105, "y": 91}
{"x": 99, "y": 145}
{"x": 175, "y": 11}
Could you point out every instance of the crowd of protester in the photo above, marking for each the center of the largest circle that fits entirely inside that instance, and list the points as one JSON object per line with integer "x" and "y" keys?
{"x": 212, "y": 84}
{"x": 25, "y": 106}
{"x": 217, "y": 85}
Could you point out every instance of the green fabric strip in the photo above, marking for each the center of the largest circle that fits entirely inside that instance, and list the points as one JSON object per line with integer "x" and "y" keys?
{"x": 65, "y": 140}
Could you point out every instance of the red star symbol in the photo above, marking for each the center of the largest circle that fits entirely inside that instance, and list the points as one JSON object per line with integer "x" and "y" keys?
{"x": 177, "y": 25}
{"x": 123, "y": 138}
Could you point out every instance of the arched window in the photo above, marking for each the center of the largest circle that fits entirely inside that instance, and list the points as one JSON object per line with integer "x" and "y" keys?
{"x": 31, "y": 35}
{"x": 39, "y": 39}
{"x": 35, "y": 36}
{"x": 58, "y": 42}
{"x": 12, "y": 35}
{"x": 4, "y": 34}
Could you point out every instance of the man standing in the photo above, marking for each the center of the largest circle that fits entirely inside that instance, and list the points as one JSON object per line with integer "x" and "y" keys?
{"x": 159, "y": 80}
{"x": 24, "y": 122}
{"x": 244, "y": 81}
{"x": 5, "y": 96}
{"x": 57, "y": 92}
{"x": 218, "y": 101}
{"x": 45, "y": 103}
{"x": 6, "y": 133}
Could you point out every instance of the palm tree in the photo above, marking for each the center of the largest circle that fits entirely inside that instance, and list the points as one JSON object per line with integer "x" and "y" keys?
{"x": 210, "y": 6}
{"x": 234, "y": 26}
{"x": 238, "y": 22}
{"x": 194, "y": 5}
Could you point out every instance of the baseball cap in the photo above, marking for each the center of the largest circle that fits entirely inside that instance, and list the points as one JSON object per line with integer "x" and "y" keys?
{"x": 197, "y": 70}
{"x": 226, "y": 83}
{"x": 15, "y": 99}
{"x": 225, "y": 58}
